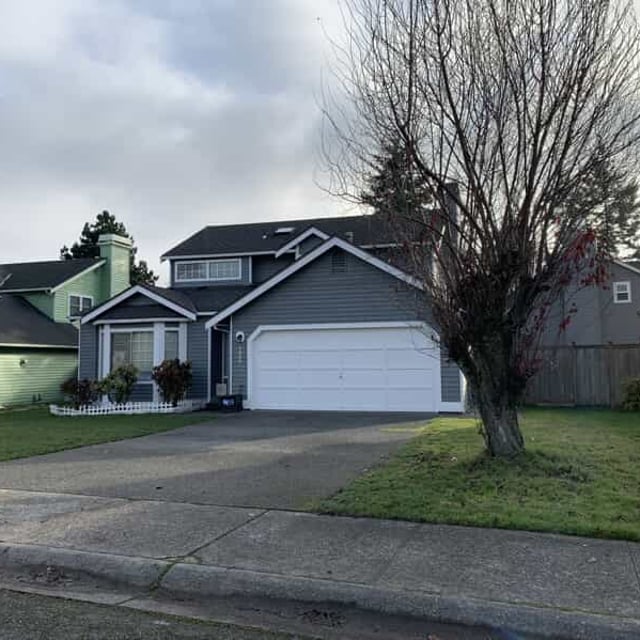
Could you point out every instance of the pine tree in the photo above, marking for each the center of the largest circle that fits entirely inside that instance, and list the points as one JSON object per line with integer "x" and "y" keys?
{"x": 87, "y": 246}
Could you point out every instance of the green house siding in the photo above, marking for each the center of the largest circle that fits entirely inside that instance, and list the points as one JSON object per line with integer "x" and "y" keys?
{"x": 90, "y": 284}
{"x": 38, "y": 378}
{"x": 41, "y": 301}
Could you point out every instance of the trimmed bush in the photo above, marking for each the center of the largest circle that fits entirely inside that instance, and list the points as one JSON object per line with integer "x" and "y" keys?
{"x": 79, "y": 392}
{"x": 174, "y": 378}
{"x": 118, "y": 385}
{"x": 631, "y": 395}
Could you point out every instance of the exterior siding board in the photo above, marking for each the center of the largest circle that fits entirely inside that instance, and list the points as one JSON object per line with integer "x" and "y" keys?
{"x": 88, "y": 356}
{"x": 449, "y": 379}
{"x": 38, "y": 379}
{"x": 317, "y": 294}
{"x": 89, "y": 284}
{"x": 197, "y": 354}
{"x": 264, "y": 267}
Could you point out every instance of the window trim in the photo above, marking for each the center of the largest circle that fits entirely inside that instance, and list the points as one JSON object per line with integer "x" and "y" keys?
{"x": 208, "y": 264}
{"x": 81, "y": 296}
{"x": 616, "y": 291}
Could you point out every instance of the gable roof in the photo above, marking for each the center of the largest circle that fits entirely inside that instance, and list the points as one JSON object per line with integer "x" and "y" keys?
{"x": 261, "y": 237}
{"x": 21, "y": 324}
{"x": 300, "y": 238}
{"x": 42, "y": 276}
{"x": 170, "y": 298}
{"x": 632, "y": 265}
{"x": 305, "y": 260}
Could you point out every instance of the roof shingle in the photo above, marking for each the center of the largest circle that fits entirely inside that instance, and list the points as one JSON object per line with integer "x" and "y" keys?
{"x": 22, "y": 324}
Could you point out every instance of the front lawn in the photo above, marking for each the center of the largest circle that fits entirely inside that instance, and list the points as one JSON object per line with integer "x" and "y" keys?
{"x": 580, "y": 475}
{"x": 31, "y": 432}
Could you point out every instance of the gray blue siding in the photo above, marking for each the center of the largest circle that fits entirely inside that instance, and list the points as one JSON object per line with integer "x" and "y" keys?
{"x": 266, "y": 266}
{"x": 449, "y": 379}
{"x": 318, "y": 294}
{"x": 197, "y": 354}
{"x": 88, "y": 354}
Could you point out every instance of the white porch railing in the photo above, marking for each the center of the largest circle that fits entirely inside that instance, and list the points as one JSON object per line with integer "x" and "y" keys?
{"x": 128, "y": 408}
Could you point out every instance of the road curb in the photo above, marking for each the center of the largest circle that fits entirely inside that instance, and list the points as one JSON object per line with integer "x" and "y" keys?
{"x": 198, "y": 581}
{"x": 142, "y": 573}
{"x": 201, "y": 580}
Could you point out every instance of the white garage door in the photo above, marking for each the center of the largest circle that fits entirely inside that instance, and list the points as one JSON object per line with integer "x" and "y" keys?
{"x": 391, "y": 368}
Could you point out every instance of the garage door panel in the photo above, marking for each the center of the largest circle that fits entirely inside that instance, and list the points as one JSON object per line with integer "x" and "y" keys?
{"x": 353, "y": 369}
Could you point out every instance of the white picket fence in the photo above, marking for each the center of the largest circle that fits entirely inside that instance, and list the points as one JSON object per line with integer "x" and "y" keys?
{"x": 128, "y": 408}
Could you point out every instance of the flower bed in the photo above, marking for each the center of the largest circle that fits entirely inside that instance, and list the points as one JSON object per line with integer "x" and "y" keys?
{"x": 128, "y": 408}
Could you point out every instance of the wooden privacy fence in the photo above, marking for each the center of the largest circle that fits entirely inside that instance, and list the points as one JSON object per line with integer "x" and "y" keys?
{"x": 584, "y": 375}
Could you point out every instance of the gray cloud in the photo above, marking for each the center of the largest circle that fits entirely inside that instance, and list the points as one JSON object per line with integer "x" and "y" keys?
{"x": 171, "y": 114}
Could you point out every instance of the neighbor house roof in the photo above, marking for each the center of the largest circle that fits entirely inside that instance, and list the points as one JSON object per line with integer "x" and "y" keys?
{"x": 268, "y": 237}
{"x": 22, "y": 324}
{"x": 41, "y": 276}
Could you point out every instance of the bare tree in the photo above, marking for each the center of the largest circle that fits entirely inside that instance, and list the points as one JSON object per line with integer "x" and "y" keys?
{"x": 503, "y": 107}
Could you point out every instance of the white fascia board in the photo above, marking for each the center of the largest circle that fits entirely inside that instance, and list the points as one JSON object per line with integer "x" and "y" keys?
{"x": 38, "y": 290}
{"x": 294, "y": 242}
{"x": 40, "y": 346}
{"x": 305, "y": 260}
{"x": 624, "y": 265}
{"x": 93, "y": 267}
{"x": 121, "y": 297}
{"x": 140, "y": 320}
{"x": 206, "y": 256}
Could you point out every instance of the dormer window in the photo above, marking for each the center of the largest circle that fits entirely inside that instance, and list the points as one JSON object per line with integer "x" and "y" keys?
{"x": 208, "y": 270}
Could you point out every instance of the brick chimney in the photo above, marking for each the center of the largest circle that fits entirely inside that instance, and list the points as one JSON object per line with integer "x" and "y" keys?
{"x": 116, "y": 250}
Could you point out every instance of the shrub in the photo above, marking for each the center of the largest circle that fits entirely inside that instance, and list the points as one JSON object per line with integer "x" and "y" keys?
{"x": 174, "y": 378}
{"x": 118, "y": 385}
{"x": 79, "y": 392}
{"x": 631, "y": 395}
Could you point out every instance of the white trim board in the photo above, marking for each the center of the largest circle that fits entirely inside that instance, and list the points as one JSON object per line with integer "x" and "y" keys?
{"x": 93, "y": 267}
{"x": 39, "y": 346}
{"x": 305, "y": 260}
{"x": 294, "y": 242}
{"x": 125, "y": 295}
{"x": 624, "y": 265}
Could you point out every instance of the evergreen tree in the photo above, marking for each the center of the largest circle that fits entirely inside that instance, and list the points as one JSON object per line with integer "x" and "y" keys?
{"x": 608, "y": 204}
{"x": 394, "y": 186}
{"x": 87, "y": 246}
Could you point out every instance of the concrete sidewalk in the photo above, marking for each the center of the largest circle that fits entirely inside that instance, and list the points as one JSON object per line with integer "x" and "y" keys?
{"x": 554, "y": 586}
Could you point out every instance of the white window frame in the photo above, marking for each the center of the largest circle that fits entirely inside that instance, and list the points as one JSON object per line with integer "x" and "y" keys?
{"x": 623, "y": 286}
{"x": 208, "y": 264}
{"x": 81, "y": 296}
{"x": 157, "y": 328}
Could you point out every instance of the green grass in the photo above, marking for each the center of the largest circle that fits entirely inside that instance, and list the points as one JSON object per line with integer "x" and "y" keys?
{"x": 580, "y": 475}
{"x": 31, "y": 432}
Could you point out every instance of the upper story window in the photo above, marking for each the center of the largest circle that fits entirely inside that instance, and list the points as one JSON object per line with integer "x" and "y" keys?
{"x": 209, "y": 270}
{"x": 79, "y": 304}
{"x": 621, "y": 292}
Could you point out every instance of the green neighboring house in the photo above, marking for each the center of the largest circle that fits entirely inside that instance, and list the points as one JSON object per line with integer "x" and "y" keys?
{"x": 40, "y": 303}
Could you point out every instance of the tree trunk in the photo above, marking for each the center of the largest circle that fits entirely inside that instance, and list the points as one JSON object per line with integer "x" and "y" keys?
{"x": 500, "y": 425}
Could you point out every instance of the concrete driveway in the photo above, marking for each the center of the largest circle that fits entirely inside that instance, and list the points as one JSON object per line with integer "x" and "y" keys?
{"x": 265, "y": 459}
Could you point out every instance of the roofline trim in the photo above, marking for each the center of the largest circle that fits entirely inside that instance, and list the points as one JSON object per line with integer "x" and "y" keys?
{"x": 203, "y": 256}
{"x": 131, "y": 291}
{"x": 139, "y": 320}
{"x": 620, "y": 263}
{"x": 305, "y": 260}
{"x": 93, "y": 267}
{"x": 40, "y": 289}
{"x": 294, "y": 242}
{"x": 38, "y": 346}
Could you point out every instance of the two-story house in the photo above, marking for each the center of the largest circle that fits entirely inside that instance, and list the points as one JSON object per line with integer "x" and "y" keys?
{"x": 303, "y": 314}
{"x": 40, "y": 303}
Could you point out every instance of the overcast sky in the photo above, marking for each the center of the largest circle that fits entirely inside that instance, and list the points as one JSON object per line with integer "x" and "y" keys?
{"x": 171, "y": 114}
